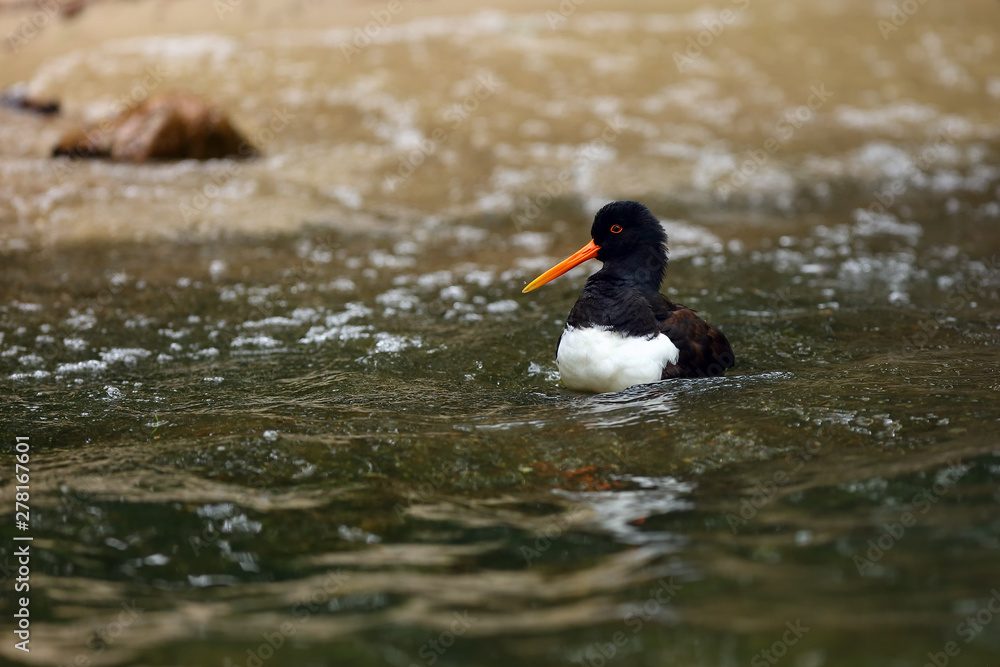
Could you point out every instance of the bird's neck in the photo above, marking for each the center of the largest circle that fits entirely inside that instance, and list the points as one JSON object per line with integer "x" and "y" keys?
{"x": 642, "y": 269}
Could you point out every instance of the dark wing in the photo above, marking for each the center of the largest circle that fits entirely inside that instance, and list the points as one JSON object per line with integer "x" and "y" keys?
{"x": 704, "y": 350}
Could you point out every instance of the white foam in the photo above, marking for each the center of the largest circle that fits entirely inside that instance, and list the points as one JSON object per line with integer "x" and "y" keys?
{"x": 336, "y": 327}
{"x": 499, "y": 307}
{"x": 453, "y": 293}
{"x": 31, "y": 360}
{"x": 36, "y": 375}
{"x": 888, "y": 118}
{"x": 27, "y": 307}
{"x": 397, "y": 299}
{"x": 391, "y": 343}
{"x": 297, "y": 317}
{"x": 341, "y": 285}
{"x": 436, "y": 279}
{"x": 75, "y": 344}
{"x": 255, "y": 341}
{"x": 89, "y": 366}
{"x": 124, "y": 355}
{"x": 872, "y": 225}
{"x": 81, "y": 321}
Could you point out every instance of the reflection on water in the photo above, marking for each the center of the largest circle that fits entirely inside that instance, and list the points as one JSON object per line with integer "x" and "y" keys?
{"x": 620, "y": 513}
{"x": 299, "y": 413}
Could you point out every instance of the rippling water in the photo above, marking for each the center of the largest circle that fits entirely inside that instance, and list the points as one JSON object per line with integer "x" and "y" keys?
{"x": 296, "y": 411}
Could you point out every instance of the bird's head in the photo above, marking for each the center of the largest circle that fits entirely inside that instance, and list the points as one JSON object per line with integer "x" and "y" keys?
{"x": 623, "y": 228}
{"x": 624, "y": 234}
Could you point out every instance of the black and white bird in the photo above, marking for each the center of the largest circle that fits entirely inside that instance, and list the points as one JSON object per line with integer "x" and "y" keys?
{"x": 621, "y": 331}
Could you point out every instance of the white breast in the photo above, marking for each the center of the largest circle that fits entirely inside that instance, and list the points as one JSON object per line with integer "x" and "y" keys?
{"x": 600, "y": 360}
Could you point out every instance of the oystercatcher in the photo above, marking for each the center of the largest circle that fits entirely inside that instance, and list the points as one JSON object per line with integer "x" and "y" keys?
{"x": 622, "y": 331}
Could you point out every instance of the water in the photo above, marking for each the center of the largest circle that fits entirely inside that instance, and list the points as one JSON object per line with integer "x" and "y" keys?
{"x": 297, "y": 412}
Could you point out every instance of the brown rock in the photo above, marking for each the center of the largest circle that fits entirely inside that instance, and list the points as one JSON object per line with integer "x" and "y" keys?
{"x": 169, "y": 127}
{"x": 17, "y": 97}
{"x": 77, "y": 143}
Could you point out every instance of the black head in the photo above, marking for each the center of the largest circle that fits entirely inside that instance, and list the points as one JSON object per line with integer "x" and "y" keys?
{"x": 628, "y": 239}
{"x": 622, "y": 228}
{"x": 627, "y": 232}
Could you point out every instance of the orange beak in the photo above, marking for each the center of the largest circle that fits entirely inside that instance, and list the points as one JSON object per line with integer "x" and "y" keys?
{"x": 588, "y": 251}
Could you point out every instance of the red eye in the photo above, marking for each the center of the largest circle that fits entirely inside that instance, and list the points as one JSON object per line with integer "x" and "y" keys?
{"x": 616, "y": 229}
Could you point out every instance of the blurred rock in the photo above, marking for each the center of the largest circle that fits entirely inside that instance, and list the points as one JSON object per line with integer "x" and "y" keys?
{"x": 168, "y": 127}
{"x": 70, "y": 8}
{"x": 17, "y": 97}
